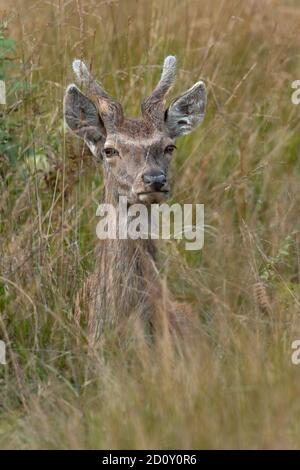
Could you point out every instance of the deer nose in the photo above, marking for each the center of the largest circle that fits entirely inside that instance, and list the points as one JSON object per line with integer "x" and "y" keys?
{"x": 155, "y": 178}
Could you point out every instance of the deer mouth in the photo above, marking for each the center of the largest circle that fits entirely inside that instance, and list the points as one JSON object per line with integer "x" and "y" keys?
{"x": 152, "y": 196}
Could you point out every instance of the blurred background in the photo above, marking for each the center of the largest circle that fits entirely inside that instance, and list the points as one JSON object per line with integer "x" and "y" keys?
{"x": 237, "y": 386}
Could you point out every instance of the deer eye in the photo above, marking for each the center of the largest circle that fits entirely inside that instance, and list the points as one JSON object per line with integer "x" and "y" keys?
{"x": 110, "y": 152}
{"x": 170, "y": 149}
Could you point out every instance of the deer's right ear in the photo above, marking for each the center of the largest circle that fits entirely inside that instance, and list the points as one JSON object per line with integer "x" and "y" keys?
{"x": 82, "y": 118}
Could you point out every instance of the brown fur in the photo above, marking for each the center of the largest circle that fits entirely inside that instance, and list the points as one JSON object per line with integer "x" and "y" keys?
{"x": 136, "y": 157}
{"x": 127, "y": 282}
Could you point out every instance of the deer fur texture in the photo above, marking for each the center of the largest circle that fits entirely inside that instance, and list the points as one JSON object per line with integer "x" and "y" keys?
{"x": 136, "y": 155}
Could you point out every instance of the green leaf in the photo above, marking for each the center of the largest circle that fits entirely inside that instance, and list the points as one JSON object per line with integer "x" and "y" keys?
{"x": 6, "y": 45}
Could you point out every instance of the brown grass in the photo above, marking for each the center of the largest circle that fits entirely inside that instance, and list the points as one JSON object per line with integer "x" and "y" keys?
{"x": 235, "y": 388}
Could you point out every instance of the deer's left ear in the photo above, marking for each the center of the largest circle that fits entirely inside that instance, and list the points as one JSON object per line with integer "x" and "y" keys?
{"x": 187, "y": 111}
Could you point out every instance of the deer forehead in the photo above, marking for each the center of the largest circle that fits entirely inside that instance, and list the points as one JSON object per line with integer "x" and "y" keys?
{"x": 126, "y": 142}
{"x": 138, "y": 133}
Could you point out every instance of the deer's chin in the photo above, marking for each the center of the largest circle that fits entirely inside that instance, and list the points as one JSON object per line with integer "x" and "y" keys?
{"x": 153, "y": 197}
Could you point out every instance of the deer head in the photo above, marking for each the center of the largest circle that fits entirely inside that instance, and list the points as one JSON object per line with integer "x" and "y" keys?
{"x": 136, "y": 153}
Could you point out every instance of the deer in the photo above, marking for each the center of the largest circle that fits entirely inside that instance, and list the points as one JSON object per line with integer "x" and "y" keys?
{"x": 136, "y": 154}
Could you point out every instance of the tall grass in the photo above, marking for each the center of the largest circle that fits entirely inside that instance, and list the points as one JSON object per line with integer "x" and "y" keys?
{"x": 236, "y": 387}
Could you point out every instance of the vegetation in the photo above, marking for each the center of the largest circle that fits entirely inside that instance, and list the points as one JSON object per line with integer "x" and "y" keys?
{"x": 236, "y": 386}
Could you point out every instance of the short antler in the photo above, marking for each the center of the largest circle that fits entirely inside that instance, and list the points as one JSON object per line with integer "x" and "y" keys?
{"x": 153, "y": 106}
{"x": 110, "y": 110}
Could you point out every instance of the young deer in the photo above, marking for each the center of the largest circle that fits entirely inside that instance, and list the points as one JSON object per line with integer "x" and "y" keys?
{"x": 136, "y": 155}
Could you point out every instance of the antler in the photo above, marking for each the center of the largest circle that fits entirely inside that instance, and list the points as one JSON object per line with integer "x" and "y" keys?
{"x": 153, "y": 106}
{"x": 110, "y": 110}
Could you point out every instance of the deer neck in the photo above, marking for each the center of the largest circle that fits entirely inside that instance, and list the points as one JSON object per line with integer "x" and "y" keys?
{"x": 128, "y": 268}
